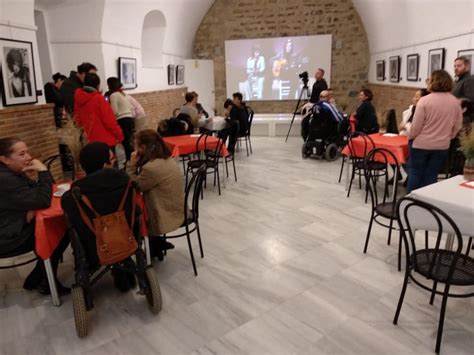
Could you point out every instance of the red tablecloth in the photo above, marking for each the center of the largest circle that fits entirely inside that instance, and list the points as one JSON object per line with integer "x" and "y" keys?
{"x": 50, "y": 228}
{"x": 184, "y": 145}
{"x": 398, "y": 145}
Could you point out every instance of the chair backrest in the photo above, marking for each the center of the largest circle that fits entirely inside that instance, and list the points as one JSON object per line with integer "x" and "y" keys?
{"x": 413, "y": 214}
{"x": 193, "y": 191}
{"x": 367, "y": 144}
{"x": 66, "y": 158}
{"x": 374, "y": 177}
{"x": 250, "y": 122}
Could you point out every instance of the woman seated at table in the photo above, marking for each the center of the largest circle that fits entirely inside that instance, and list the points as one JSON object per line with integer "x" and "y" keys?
{"x": 409, "y": 113}
{"x": 365, "y": 115}
{"x": 158, "y": 177}
{"x": 437, "y": 120}
{"x": 20, "y": 198}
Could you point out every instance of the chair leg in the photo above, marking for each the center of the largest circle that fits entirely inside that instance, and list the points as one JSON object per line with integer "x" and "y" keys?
{"x": 441, "y": 319}
{"x": 199, "y": 240}
{"x": 469, "y": 246}
{"x": 247, "y": 146}
{"x": 402, "y": 293}
{"x": 390, "y": 232}
{"x": 250, "y": 144}
{"x": 235, "y": 171}
{"x": 350, "y": 182}
{"x": 426, "y": 239}
{"x": 218, "y": 180}
{"x": 191, "y": 252}
{"x": 433, "y": 292}
{"x": 342, "y": 168}
{"x": 368, "y": 232}
{"x": 226, "y": 168}
{"x": 400, "y": 241}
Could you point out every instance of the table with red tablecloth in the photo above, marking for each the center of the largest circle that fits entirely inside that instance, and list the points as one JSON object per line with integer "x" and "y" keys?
{"x": 186, "y": 144}
{"x": 398, "y": 145}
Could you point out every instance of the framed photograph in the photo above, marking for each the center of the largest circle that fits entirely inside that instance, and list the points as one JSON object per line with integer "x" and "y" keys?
{"x": 380, "y": 69}
{"x": 435, "y": 60}
{"x": 413, "y": 61}
{"x": 17, "y": 72}
{"x": 180, "y": 75}
{"x": 128, "y": 72}
{"x": 469, "y": 54}
{"x": 394, "y": 65}
{"x": 171, "y": 74}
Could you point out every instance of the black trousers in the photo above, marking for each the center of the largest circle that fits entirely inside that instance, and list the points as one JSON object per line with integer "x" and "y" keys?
{"x": 38, "y": 274}
{"x": 127, "y": 124}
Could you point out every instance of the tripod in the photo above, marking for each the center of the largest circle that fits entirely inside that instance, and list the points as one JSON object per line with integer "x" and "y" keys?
{"x": 304, "y": 90}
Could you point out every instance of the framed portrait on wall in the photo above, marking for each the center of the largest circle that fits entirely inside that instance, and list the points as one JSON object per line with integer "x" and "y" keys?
{"x": 413, "y": 61}
{"x": 469, "y": 54}
{"x": 171, "y": 74}
{"x": 435, "y": 60}
{"x": 380, "y": 70}
{"x": 128, "y": 72}
{"x": 394, "y": 65}
{"x": 17, "y": 72}
{"x": 180, "y": 75}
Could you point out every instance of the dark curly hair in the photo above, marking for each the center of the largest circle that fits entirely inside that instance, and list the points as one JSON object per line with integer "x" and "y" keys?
{"x": 14, "y": 56}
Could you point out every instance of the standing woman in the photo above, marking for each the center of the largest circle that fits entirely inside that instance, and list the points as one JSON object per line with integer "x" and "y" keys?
{"x": 123, "y": 113}
{"x": 20, "y": 198}
{"x": 409, "y": 113}
{"x": 158, "y": 177}
{"x": 437, "y": 120}
{"x": 365, "y": 115}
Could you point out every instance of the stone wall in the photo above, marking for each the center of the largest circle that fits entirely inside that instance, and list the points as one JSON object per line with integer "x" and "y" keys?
{"x": 33, "y": 124}
{"x": 159, "y": 105}
{"x": 387, "y": 97}
{"x": 240, "y": 19}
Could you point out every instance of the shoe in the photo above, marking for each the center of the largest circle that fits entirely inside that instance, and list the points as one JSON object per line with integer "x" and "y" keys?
{"x": 167, "y": 246}
{"x": 43, "y": 288}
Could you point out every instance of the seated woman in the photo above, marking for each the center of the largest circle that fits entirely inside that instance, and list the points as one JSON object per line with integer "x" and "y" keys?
{"x": 158, "y": 177}
{"x": 365, "y": 115}
{"x": 20, "y": 198}
{"x": 410, "y": 112}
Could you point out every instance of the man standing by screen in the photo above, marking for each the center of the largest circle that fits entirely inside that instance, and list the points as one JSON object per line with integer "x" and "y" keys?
{"x": 319, "y": 86}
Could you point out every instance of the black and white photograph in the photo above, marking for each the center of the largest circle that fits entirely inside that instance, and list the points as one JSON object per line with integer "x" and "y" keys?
{"x": 180, "y": 75}
{"x": 469, "y": 54}
{"x": 413, "y": 61}
{"x": 128, "y": 72}
{"x": 394, "y": 65}
{"x": 17, "y": 72}
{"x": 171, "y": 74}
{"x": 435, "y": 60}
{"x": 380, "y": 68}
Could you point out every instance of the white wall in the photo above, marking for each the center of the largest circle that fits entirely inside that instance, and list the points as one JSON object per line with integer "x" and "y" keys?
{"x": 401, "y": 27}
{"x": 17, "y": 22}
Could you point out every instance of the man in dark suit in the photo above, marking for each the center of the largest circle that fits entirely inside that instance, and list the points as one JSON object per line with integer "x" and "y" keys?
{"x": 319, "y": 86}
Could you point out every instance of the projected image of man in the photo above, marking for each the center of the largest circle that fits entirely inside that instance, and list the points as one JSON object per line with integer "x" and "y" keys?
{"x": 255, "y": 73}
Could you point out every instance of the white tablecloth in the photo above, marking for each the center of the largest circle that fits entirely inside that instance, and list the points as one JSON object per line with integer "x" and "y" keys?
{"x": 216, "y": 124}
{"x": 455, "y": 200}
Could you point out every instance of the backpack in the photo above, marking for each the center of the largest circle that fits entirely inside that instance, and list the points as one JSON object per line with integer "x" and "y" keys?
{"x": 114, "y": 237}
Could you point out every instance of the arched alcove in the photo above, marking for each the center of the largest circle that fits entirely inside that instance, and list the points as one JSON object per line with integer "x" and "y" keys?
{"x": 153, "y": 36}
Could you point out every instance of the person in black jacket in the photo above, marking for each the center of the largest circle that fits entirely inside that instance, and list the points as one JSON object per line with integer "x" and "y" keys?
{"x": 464, "y": 85}
{"x": 319, "y": 86}
{"x": 53, "y": 96}
{"x": 366, "y": 117}
{"x": 20, "y": 198}
{"x": 75, "y": 81}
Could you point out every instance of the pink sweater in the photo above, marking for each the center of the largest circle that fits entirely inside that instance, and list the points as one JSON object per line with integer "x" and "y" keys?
{"x": 437, "y": 120}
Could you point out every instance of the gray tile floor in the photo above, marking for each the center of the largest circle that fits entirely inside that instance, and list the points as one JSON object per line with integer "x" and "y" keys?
{"x": 283, "y": 273}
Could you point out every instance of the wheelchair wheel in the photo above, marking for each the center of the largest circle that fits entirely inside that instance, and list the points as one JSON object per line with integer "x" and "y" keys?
{"x": 153, "y": 292}
{"x": 332, "y": 152}
{"x": 79, "y": 309}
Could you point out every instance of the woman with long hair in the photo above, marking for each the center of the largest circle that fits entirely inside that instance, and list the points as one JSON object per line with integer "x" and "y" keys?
{"x": 366, "y": 117}
{"x": 158, "y": 177}
{"x": 409, "y": 113}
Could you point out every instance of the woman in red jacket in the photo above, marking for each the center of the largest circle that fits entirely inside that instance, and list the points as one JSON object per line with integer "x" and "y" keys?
{"x": 94, "y": 114}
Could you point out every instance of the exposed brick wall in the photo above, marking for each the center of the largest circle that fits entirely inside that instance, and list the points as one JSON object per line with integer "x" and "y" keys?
{"x": 387, "y": 97}
{"x": 159, "y": 105}
{"x": 34, "y": 124}
{"x": 242, "y": 19}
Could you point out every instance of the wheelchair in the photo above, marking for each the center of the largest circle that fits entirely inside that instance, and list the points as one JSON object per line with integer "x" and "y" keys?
{"x": 88, "y": 270}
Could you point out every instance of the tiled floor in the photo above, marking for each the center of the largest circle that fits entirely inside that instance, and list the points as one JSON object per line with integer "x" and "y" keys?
{"x": 283, "y": 273}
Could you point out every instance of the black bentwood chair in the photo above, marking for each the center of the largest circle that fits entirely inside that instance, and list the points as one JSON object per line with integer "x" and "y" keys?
{"x": 383, "y": 206}
{"x": 246, "y": 136}
{"x": 448, "y": 267}
{"x": 65, "y": 159}
{"x": 191, "y": 215}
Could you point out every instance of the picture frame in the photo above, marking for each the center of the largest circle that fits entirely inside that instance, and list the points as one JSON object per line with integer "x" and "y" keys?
{"x": 180, "y": 75}
{"x": 380, "y": 70}
{"x": 17, "y": 72}
{"x": 171, "y": 74}
{"x": 394, "y": 68}
{"x": 469, "y": 54}
{"x": 435, "y": 60}
{"x": 128, "y": 72}
{"x": 413, "y": 62}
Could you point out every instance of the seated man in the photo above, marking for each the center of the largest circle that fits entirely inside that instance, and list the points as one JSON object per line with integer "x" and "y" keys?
{"x": 324, "y": 120}
{"x": 104, "y": 187}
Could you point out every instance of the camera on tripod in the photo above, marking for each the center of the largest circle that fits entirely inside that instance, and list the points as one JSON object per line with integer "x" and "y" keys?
{"x": 304, "y": 77}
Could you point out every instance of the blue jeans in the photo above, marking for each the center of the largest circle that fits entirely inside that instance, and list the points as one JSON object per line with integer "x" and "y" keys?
{"x": 423, "y": 167}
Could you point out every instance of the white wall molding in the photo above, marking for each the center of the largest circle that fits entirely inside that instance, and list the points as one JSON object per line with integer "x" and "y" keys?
{"x": 18, "y": 25}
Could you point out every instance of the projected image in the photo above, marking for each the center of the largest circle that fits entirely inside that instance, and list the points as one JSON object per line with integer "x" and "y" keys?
{"x": 267, "y": 69}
